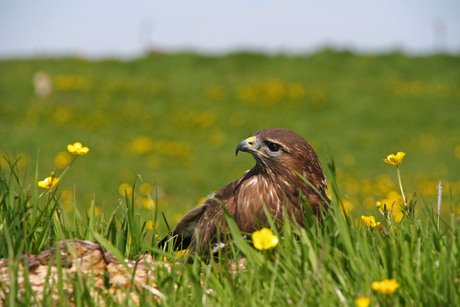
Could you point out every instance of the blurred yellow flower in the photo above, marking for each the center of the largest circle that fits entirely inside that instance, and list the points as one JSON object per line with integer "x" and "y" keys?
{"x": 77, "y": 149}
{"x": 457, "y": 151}
{"x": 145, "y": 188}
{"x": 97, "y": 211}
{"x": 141, "y": 145}
{"x": 48, "y": 182}
{"x": 177, "y": 217}
{"x": 395, "y": 159}
{"x": 347, "y": 206}
{"x": 62, "y": 159}
{"x": 369, "y": 221}
{"x": 264, "y": 239}
{"x": 147, "y": 202}
{"x": 362, "y": 301}
{"x": 125, "y": 188}
{"x": 296, "y": 91}
{"x": 149, "y": 225}
{"x": 393, "y": 200}
{"x": 71, "y": 83}
{"x": 182, "y": 253}
{"x": 67, "y": 198}
{"x": 386, "y": 286}
{"x": 201, "y": 201}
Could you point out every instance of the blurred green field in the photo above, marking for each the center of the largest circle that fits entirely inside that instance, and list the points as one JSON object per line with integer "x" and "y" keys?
{"x": 175, "y": 120}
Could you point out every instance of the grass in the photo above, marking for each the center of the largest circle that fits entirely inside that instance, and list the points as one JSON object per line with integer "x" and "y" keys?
{"x": 329, "y": 264}
{"x": 162, "y": 131}
{"x": 174, "y": 120}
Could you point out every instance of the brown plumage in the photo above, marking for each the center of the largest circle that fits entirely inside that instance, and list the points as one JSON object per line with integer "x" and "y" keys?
{"x": 273, "y": 182}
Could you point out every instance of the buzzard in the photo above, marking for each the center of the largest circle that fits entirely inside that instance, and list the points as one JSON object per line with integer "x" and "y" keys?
{"x": 274, "y": 184}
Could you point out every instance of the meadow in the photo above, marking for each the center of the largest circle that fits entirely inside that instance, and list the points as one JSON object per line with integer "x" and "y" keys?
{"x": 413, "y": 261}
{"x": 162, "y": 132}
{"x": 174, "y": 120}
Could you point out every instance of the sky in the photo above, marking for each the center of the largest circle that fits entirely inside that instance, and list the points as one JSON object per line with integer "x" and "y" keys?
{"x": 126, "y": 29}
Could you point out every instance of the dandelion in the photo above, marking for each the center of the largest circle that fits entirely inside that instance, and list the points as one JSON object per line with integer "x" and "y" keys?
{"x": 386, "y": 286}
{"x": 362, "y": 301}
{"x": 395, "y": 159}
{"x": 264, "y": 239}
{"x": 48, "y": 183}
{"x": 369, "y": 221}
{"x": 77, "y": 149}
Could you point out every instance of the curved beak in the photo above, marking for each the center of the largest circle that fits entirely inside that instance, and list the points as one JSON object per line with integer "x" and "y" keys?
{"x": 246, "y": 145}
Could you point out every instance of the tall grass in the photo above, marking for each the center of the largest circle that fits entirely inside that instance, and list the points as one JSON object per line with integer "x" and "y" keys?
{"x": 325, "y": 264}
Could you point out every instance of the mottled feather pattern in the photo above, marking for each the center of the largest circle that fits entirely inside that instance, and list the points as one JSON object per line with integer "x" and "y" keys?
{"x": 273, "y": 183}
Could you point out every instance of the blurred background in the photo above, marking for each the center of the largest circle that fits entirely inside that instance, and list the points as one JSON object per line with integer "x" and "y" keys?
{"x": 164, "y": 91}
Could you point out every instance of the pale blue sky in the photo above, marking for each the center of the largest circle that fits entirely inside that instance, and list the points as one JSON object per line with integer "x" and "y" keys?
{"x": 102, "y": 28}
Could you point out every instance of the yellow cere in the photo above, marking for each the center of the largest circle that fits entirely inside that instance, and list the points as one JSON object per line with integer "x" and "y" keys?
{"x": 251, "y": 140}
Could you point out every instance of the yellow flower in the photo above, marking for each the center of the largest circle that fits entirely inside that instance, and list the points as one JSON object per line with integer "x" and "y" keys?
{"x": 77, "y": 149}
{"x": 97, "y": 211}
{"x": 149, "y": 225}
{"x": 62, "y": 159}
{"x": 369, "y": 221}
{"x": 386, "y": 286}
{"x": 147, "y": 202}
{"x": 264, "y": 239}
{"x": 362, "y": 301}
{"x": 145, "y": 188}
{"x": 347, "y": 206}
{"x": 181, "y": 253}
{"x": 48, "y": 182}
{"x": 395, "y": 159}
{"x": 125, "y": 188}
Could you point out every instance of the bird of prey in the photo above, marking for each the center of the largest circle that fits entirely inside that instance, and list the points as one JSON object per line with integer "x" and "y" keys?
{"x": 274, "y": 184}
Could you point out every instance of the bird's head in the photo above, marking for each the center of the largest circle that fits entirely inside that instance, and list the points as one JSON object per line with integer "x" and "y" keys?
{"x": 281, "y": 155}
{"x": 279, "y": 149}
{"x": 262, "y": 148}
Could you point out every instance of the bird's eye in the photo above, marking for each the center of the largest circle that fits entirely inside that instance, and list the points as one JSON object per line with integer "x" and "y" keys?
{"x": 273, "y": 147}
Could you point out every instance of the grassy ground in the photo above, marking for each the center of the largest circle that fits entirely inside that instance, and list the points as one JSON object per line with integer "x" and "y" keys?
{"x": 338, "y": 263}
{"x": 176, "y": 119}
